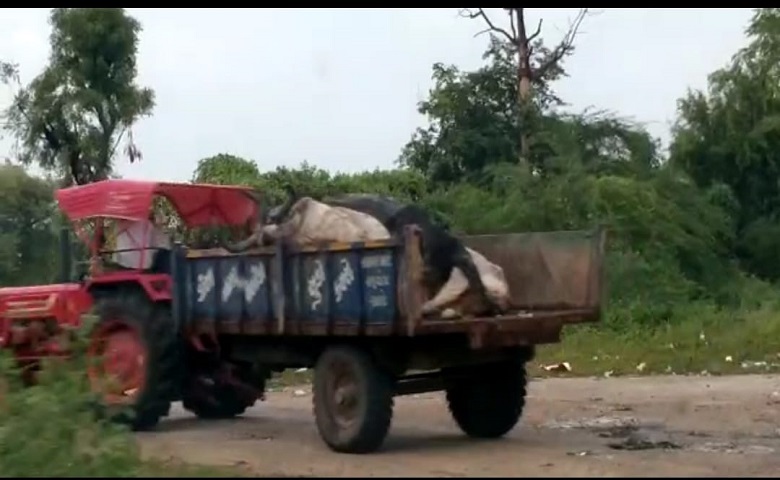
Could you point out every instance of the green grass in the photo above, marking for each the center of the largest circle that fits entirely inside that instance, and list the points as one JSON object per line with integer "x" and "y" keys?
{"x": 290, "y": 378}
{"x": 717, "y": 342}
{"x": 703, "y": 339}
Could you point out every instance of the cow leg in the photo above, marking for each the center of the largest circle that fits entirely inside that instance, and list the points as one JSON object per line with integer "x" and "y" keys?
{"x": 465, "y": 263}
{"x": 455, "y": 285}
{"x": 254, "y": 240}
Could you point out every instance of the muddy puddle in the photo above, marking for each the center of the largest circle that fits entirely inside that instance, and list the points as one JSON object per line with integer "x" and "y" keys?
{"x": 630, "y": 433}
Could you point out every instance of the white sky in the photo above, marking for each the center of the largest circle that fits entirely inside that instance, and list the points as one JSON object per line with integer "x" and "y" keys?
{"x": 339, "y": 87}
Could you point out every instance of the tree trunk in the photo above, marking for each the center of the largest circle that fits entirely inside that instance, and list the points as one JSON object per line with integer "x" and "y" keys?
{"x": 518, "y": 37}
{"x": 523, "y": 85}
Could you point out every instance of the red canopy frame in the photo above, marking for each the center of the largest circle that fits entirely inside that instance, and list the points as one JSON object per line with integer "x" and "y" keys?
{"x": 197, "y": 204}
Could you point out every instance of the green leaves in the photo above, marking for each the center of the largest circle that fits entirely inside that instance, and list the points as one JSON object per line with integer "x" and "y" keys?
{"x": 226, "y": 169}
{"x": 474, "y": 124}
{"x": 473, "y": 119}
{"x": 26, "y": 230}
{"x": 730, "y": 136}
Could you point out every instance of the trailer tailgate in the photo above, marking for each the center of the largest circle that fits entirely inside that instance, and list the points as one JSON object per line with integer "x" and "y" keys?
{"x": 555, "y": 278}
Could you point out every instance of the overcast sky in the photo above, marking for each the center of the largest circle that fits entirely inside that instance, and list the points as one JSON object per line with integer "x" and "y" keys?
{"x": 339, "y": 87}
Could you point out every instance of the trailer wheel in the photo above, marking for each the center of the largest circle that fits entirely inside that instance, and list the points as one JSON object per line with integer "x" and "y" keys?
{"x": 487, "y": 400}
{"x": 353, "y": 400}
{"x": 134, "y": 360}
{"x": 225, "y": 403}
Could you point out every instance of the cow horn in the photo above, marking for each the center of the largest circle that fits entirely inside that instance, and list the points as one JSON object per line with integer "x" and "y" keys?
{"x": 286, "y": 206}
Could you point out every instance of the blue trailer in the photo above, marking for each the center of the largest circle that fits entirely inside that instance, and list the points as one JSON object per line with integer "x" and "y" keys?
{"x": 353, "y": 312}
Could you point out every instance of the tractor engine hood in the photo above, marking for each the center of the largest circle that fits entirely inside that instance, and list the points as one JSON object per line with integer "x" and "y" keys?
{"x": 64, "y": 302}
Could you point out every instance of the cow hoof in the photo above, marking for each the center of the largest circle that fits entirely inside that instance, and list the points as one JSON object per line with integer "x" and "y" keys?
{"x": 428, "y": 309}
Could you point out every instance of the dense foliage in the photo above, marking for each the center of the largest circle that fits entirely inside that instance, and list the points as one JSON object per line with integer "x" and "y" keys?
{"x": 695, "y": 227}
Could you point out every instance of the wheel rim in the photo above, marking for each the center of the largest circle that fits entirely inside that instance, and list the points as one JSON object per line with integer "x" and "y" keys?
{"x": 117, "y": 358}
{"x": 342, "y": 393}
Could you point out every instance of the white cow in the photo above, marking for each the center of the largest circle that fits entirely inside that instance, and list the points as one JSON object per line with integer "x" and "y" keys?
{"x": 310, "y": 221}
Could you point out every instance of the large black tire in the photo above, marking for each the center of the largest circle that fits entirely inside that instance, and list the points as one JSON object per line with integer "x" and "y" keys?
{"x": 487, "y": 401}
{"x": 130, "y": 311}
{"x": 358, "y": 423}
{"x": 211, "y": 398}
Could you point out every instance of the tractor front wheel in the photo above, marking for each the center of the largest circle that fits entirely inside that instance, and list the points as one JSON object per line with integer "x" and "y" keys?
{"x": 135, "y": 362}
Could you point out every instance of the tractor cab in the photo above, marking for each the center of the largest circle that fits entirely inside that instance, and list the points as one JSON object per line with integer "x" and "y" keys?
{"x": 130, "y": 227}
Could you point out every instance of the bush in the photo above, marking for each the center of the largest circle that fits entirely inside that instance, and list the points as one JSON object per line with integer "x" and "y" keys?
{"x": 50, "y": 429}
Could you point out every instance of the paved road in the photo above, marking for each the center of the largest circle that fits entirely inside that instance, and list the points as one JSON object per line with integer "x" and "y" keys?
{"x": 677, "y": 426}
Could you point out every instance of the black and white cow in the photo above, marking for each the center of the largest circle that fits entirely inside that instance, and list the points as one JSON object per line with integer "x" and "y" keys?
{"x": 451, "y": 268}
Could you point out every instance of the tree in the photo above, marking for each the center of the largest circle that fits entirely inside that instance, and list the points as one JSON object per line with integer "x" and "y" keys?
{"x": 729, "y": 136}
{"x": 533, "y": 62}
{"x": 226, "y": 169}
{"x": 473, "y": 124}
{"x": 27, "y": 211}
{"x": 72, "y": 116}
{"x": 9, "y": 72}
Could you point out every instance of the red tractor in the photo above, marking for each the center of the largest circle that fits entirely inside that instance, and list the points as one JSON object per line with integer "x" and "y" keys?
{"x": 141, "y": 347}
{"x": 207, "y": 327}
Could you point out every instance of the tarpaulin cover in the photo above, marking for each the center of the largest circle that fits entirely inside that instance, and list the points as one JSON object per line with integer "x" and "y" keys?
{"x": 197, "y": 204}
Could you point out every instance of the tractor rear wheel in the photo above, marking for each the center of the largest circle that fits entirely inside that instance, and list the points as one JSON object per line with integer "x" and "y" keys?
{"x": 135, "y": 360}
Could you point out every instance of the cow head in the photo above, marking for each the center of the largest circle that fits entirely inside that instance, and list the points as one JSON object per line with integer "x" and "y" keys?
{"x": 268, "y": 213}
{"x": 269, "y": 216}
{"x": 278, "y": 213}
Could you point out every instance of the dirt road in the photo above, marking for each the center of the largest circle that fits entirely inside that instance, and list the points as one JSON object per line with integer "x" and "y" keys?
{"x": 677, "y": 426}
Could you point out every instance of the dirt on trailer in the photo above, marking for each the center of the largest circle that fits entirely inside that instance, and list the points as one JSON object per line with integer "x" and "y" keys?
{"x": 613, "y": 427}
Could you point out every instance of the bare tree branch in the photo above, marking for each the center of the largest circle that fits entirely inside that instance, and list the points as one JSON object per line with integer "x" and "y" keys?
{"x": 563, "y": 48}
{"x": 480, "y": 13}
{"x": 537, "y": 32}
{"x": 527, "y": 75}
{"x": 512, "y": 22}
{"x": 118, "y": 139}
